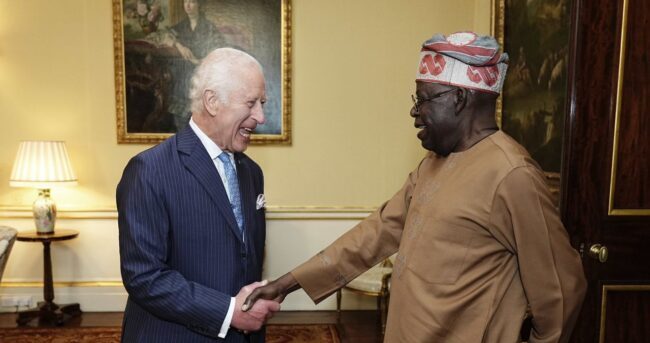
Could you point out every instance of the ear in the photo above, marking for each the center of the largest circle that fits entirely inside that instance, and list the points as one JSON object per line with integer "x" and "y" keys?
{"x": 211, "y": 102}
{"x": 461, "y": 99}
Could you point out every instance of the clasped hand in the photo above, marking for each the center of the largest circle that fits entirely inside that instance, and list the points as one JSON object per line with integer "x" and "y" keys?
{"x": 253, "y": 318}
{"x": 273, "y": 291}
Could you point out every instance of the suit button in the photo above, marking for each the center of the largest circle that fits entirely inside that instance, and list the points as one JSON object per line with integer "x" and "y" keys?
{"x": 243, "y": 255}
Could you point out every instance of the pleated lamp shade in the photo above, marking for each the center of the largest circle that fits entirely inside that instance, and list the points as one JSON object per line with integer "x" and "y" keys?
{"x": 42, "y": 164}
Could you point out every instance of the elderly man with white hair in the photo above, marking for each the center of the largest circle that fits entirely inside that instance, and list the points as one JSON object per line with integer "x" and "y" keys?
{"x": 192, "y": 230}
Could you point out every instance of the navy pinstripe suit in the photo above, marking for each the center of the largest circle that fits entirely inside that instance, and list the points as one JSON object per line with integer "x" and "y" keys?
{"x": 182, "y": 255}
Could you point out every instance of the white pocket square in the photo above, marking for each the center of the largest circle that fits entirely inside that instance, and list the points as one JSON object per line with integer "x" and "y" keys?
{"x": 260, "y": 202}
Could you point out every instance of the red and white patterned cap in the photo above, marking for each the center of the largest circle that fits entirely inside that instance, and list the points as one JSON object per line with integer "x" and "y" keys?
{"x": 463, "y": 59}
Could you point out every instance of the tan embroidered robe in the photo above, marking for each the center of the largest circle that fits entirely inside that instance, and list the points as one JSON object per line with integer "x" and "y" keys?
{"x": 478, "y": 240}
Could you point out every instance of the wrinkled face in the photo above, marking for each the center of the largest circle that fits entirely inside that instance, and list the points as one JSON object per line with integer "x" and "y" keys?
{"x": 437, "y": 119}
{"x": 191, "y": 7}
{"x": 236, "y": 119}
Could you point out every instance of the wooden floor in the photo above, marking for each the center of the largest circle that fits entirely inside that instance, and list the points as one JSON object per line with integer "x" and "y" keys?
{"x": 353, "y": 326}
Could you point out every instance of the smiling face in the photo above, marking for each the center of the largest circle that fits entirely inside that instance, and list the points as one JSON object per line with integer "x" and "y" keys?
{"x": 234, "y": 120}
{"x": 438, "y": 121}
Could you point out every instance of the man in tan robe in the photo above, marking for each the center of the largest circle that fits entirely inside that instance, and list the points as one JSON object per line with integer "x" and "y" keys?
{"x": 477, "y": 236}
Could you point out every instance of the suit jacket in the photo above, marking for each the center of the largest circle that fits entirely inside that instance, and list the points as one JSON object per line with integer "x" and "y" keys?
{"x": 182, "y": 254}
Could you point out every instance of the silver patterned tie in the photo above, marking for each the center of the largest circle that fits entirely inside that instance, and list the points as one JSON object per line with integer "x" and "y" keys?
{"x": 233, "y": 189}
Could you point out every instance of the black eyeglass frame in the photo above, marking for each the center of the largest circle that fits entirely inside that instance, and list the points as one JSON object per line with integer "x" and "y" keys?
{"x": 417, "y": 103}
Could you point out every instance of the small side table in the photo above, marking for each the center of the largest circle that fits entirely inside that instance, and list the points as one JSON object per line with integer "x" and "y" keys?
{"x": 47, "y": 311}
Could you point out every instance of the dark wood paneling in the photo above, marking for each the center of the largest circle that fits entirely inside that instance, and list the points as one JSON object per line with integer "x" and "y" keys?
{"x": 629, "y": 257}
{"x": 590, "y": 94}
{"x": 629, "y": 307}
{"x": 633, "y": 167}
{"x": 587, "y": 158}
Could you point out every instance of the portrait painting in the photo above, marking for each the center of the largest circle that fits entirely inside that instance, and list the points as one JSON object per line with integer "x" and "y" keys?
{"x": 159, "y": 43}
{"x": 535, "y": 34}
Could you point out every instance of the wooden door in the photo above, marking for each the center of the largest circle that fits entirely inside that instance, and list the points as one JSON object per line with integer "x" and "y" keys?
{"x": 605, "y": 192}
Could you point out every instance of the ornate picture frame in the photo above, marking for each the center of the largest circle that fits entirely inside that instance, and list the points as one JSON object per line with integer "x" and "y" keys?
{"x": 157, "y": 44}
{"x": 531, "y": 108}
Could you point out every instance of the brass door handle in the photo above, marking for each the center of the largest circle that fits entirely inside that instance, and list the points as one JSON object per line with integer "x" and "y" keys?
{"x": 598, "y": 252}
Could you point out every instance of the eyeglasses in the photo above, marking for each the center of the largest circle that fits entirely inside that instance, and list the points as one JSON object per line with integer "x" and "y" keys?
{"x": 418, "y": 102}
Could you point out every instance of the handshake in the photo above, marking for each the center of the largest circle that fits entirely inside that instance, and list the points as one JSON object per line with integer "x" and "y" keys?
{"x": 258, "y": 302}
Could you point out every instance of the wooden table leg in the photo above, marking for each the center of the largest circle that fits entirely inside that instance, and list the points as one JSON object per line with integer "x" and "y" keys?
{"x": 47, "y": 312}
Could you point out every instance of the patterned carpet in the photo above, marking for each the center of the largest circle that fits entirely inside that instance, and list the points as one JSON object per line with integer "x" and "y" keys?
{"x": 303, "y": 333}
{"x": 294, "y": 333}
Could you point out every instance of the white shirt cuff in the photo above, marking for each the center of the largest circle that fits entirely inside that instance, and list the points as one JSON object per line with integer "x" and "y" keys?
{"x": 226, "y": 322}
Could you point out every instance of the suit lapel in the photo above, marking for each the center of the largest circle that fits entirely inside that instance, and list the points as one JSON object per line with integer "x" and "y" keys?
{"x": 197, "y": 161}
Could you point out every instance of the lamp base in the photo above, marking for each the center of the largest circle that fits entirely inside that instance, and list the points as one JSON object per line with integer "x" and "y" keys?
{"x": 44, "y": 212}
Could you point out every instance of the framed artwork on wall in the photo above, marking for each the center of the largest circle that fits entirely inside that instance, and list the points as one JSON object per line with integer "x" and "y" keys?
{"x": 535, "y": 34}
{"x": 158, "y": 43}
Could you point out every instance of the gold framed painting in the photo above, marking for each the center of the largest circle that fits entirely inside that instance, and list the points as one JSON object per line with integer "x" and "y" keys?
{"x": 535, "y": 34}
{"x": 158, "y": 43}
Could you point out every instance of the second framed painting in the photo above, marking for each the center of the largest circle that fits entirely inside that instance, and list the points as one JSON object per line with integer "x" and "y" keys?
{"x": 158, "y": 43}
{"x": 535, "y": 34}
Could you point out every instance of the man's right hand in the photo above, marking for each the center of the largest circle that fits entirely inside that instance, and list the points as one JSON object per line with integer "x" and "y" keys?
{"x": 255, "y": 317}
{"x": 275, "y": 291}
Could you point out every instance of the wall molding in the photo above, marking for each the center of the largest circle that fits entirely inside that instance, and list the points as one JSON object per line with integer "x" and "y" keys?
{"x": 79, "y": 280}
{"x": 105, "y": 298}
{"x": 272, "y": 212}
{"x": 39, "y": 284}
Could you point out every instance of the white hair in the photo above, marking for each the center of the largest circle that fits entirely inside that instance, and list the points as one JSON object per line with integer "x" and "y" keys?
{"x": 218, "y": 72}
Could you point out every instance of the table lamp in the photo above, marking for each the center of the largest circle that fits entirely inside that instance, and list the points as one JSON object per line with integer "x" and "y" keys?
{"x": 41, "y": 165}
